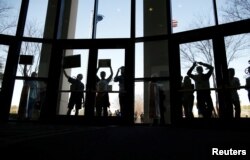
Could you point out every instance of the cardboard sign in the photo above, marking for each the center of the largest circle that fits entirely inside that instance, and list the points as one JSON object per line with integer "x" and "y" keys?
{"x": 26, "y": 59}
{"x": 72, "y": 61}
{"x": 104, "y": 63}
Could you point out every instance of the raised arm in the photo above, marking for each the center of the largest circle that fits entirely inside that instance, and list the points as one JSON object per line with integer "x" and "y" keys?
{"x": 66, "y": 75}
{"x": 206, "y": 65}
{"x": 211, "y": 68}
{"x": 111, "y": 74}
{"x": 97, "y": 78}
{"x": 189, "y": 72}
{"x": 116, "y": 76}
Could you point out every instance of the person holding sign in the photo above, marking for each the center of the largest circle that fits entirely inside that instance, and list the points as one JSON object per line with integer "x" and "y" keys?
{"x": 76, "y": 89}
{"x": 102, "y": 96}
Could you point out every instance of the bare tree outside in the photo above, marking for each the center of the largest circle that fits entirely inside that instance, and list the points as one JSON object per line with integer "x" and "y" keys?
{"x": 31, "y": 48}
{"x": 3, "y": 56}
{"x": 7, "y": 22}
{"x": 9, "y": 13}
{"x": 7, "y": 25}
{"x": 235, "y": 10}
{"x": 235, "y": 45}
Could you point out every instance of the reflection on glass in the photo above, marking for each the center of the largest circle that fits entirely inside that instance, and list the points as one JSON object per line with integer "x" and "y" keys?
{"x": 155, "y": 17}
{"x": 192, "y": 14}
{"x": 155, "y": 58}
{"x": 33, "y": 49}
{"x": 237, "y": 51}
{"x": 156, "y": 102}
{"x": 36, "y": 16}
{"x": 28, "y": 99}
{"x": 9, "y": 13}
{"x": 3, "y": 57}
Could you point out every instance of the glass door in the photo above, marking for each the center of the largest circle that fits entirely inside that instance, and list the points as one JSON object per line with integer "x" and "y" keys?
{"x": 111, "y": 63}
{"x": 198, "y": 80}
{"x": 213, "y": 78}
{"x": 75, "y": 63}
{"x": 104, "y": 86}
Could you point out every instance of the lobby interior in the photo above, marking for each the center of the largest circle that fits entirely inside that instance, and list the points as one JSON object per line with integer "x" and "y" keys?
{"x": 145, "y": 40}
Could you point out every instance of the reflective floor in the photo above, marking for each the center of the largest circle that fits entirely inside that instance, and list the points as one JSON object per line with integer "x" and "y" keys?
{"x": 58, "y": 141}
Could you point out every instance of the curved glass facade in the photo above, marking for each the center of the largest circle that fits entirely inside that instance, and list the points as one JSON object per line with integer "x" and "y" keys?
{"x": 156, "y": 41}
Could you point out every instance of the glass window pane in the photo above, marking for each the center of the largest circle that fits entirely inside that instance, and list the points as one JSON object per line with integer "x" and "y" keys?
{"x": 233, "y": 10}
{"x": 151, "y": 60}
{"x": 117, "y": 60}
{"x": 200, "y": 51}
{"x": 27, "y": 93}
{"x": 192, "y": 14}
{"x": 139, "y": 18}
{"x": 3, "y": 57}
{"x": 116, "y": 19}
{"x": 139, "y": 102}
{"x": 237, "y": 51}
{"x": 35, "y": 21}
{"x": 139, "y": 65}
{"x": 156, "y": 102}
{"x": 83, "y": 29}
{"x": 41, "y": 56}
{"x": 155, "y": 58}
{"x": 154, "y": 17}
{"x": 66, "y": 86}
{"x": 9, "y": 13}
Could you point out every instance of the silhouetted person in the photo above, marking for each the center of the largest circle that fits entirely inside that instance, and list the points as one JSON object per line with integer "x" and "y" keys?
{"x": 188, "y": 97}
{"x": 248, "y": 87}
{"x": 122, "y": 95}
{"x": 204, "y": 100}
{"x": 234, "y": 82}
{"x": 102, "y": 97}
{"x": 76, "y": 93}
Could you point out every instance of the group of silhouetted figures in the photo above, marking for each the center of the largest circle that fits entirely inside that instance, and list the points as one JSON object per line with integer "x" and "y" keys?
{"x": 102, "y": 92}
{"x": 31, "y": 95}
{"x": 203, "y": 92}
